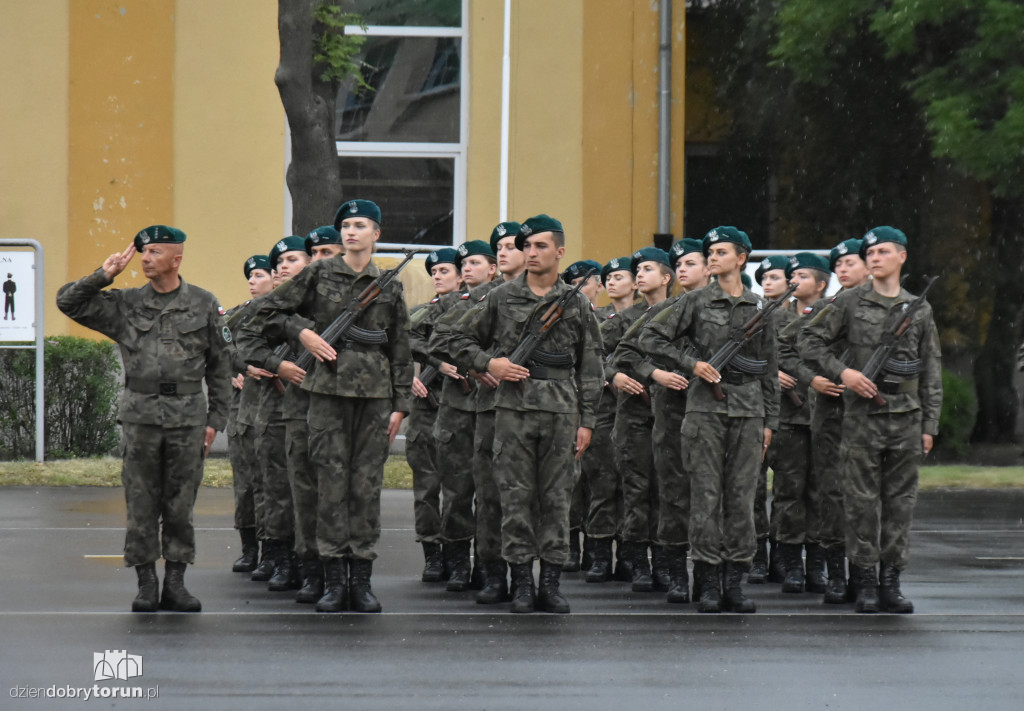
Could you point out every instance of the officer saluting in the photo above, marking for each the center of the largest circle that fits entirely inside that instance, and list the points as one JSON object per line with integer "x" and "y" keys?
{"x": 172, "y": 337}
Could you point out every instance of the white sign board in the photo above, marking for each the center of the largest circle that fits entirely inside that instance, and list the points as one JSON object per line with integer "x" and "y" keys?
{"x": 18, "y": 276}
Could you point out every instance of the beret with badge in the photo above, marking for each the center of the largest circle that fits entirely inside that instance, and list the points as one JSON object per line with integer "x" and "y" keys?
{"x": 292, "y": 243}
{"x": 446, "y": 255}
{"x": 648, "y": 254}
{"x": 158, "y": 234}
{"x": 578, "y": 269}
{"x": 535, "y": 224}
{"x": 501, "y": 231}
{"x": 320, "y": 236}
{"x": 878, "y": 235}
{"x": 683, "y": 247}
{"x": 619, "y": 264}
{"x": 776, "y": 261}
{"x": 357, "y": 208}
{"x": 256, "y": 261}
{"x": 806, "y": 260}
{"x": 727, "y": 233}
{"x": 844, "y": 249}
{"x": 468, "y": 249}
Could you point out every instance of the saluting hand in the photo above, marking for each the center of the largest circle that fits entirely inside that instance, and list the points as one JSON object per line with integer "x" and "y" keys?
{"x": 116, "y": 263}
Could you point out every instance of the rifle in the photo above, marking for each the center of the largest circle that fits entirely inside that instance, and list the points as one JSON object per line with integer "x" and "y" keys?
{"x": 740, "y": 335}
{"x": 897, "y": 328}
{"x": 344, "y": 327}
{"x": 528, "y": 345}
{"x": 428, "y": 374}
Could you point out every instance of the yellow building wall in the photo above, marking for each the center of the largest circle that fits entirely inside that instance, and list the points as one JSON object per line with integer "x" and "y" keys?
{"x": 33, "y": 134}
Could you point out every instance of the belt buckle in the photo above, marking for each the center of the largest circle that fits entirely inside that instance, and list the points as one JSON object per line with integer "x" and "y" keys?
{"x": 168, "y": 388}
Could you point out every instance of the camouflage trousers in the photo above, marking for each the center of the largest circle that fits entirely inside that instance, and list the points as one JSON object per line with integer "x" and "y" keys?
{"x": 302, "y": 477}
{"x": 488, "y": 498}
{"x": 826, "y": 439}
{"x": 421, "y": 453}
{"x": 673, "y": 480}
{"x": 722, "y": 455}
{"x": 277, "y": 515}
{"x": 601, "y": 478}
{"x": 348, "y": 444}
{"x": 634, "y": 448}
{"x": 879, "y": 459}
{"x": 533, "y": 465}
{"x": 161, "y": 471}
{"x": 796, "y": 491}
{"x": 762, "y": 525}
{"x": 579, "y": 502}
{"x": 242, "y": 454}
{"x": 453, "y": 435}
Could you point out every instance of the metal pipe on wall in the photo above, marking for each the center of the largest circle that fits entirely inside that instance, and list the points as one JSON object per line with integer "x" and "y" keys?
{"x": 664, "y": 124}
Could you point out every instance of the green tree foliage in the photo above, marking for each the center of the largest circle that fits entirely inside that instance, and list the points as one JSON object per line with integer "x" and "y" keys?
{"x": 336, "y": 52}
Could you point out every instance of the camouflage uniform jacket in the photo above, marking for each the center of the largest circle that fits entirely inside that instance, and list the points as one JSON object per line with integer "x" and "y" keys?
{"x": 500, "y": 320}
{"x": 789, "y": 412}
{"x": 183, "y": 342}
{"x": 231, "y": 317}
{"x": 860, "y": 316}
{"x": 313, "y": 299}
{"x": 605, "y": 312}
{"x": 446, "y": 312}
{"x": 706, "y": 316}
{"x": 418, "y": 337}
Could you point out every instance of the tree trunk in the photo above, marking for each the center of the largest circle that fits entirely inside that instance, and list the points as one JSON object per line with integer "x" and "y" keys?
{"x": 994, "y": 368}
{"x": 314, "y": 176}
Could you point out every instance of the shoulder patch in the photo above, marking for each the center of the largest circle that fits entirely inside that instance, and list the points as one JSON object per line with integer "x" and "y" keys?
{"x": 226, "y": 333}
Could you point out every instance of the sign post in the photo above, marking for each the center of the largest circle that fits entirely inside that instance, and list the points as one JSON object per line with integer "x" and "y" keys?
{"x": 22, "y": 275}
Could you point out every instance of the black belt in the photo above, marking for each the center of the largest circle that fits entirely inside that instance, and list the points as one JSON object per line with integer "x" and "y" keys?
{"x": 148, "y": 387}
{"x": 540, "y": 372}
{"x": 734, "y": 377}
{"x": 890, "y": 387}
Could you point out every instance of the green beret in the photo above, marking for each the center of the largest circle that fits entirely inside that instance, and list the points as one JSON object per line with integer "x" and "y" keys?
{"x": 158, "y": 234}
{"x": 726, "y": 233}
{"x": 538, "y": 223}
{"x": 882, "y": 234}
{"x": 447, "y": 255}
{"x": 683, "y": 247}
{"x": 468, "y": 249}
{"x": 619, "y": 264}
{"x": 578, "y": 269}
{"x": 776, "y": 261}
{"x": 256, "y": 261}
{"x": 357, "y": 208}
{"x": 807, "y": 260}
{"x": 649, "y": 254}
{"x": 745, "y": 278}
{"x": 844, "y": 248}
{"x": 501, "y": 231}
{"x": 322, "y": 235}
{"x": 294, "y": 243}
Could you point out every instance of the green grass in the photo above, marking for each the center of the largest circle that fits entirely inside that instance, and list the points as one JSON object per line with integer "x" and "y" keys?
{"x": 106, "y": 471}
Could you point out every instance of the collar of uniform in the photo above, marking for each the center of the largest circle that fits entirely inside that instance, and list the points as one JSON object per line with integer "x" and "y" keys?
{"x": 340, "y": 266}
{"x": 716, "y": 292}
{"x": 524, "y": 289}
{"x": 151, "y": 299}
{"x": 871, "y": 295}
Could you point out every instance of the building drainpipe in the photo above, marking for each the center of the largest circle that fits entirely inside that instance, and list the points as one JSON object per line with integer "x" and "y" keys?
{"x": 663, "y": 238}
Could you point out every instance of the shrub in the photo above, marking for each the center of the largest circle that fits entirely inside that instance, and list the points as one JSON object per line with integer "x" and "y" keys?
{"x": 81, "y": 389}
{"x": 959, "y": 407}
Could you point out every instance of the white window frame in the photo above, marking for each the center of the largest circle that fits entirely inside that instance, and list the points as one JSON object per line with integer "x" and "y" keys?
{"x": 456, "y": 151}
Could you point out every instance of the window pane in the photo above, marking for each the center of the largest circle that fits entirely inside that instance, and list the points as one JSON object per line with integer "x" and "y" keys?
{"x": 413, "y": 193}
{"x": 414, "y": 94}
{"x": 407, "y": 13}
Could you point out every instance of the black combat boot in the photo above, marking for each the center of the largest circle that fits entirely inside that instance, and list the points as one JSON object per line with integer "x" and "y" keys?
{"x": 636, "y": 553}
{"x": 891, "y": 597}
{"x": 816, "y": 581}
{"x": 588, "y": 553}
{"x": 524, "y": 595}
{"x": 549, "y": 597}
{"x": 623, "y": 563}
{"x": 335, "y": 598}
{"x": 659, "y": 569}
{"x": 456, "y": 556}
{"x": 148, "y": 599}
{"x": 600, "y": 571}
{"x": 792, "y": 559}
{"x": 572, "y": 564}
{"x": 679, "y": 580}
{"x": 835, "y": 588}
{"x": 286, "y": 572}
{"x": 495, "y": 587}
{"x": 247, "y": 562}
{"x": 360, "y": 596}
{"x": 865, "y": 582}
{"x": 269, "y": 550}
{"x": 433, "y": 563}
{"x": 175, "y": 596}
{"x": 312, "y": 588}
{"x": 733, "y": 599}
{"x": 776, "y": 564}
{"x": 707, "y": 587}
{"x": 758, "y": 574}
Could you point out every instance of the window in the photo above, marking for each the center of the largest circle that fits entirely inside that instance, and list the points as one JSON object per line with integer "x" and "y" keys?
{"x": 402, "y": 143}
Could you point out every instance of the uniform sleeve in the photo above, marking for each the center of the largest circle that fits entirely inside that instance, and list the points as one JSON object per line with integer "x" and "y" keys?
{"x": 770, "y": 388}
{"x": 420, "y": 329}
{"x": 823, "y": 330}
{"x": 659, "y": 334}
{"x": 789, "y": 357}
{"x": 400, "y": 354}
{"x": 589, "y": 369}
{"x": 471, "y": 336}
{"x": 267, "y": 324}
{"x": 218, "y": 370}
{"x": 86, "y": 303}
{"x": 445, "y": 323}
{"x": 930, "y": 388}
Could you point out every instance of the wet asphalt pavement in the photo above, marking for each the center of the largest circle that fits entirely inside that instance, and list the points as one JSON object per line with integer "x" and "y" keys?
{"x": 64, "y": 596}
